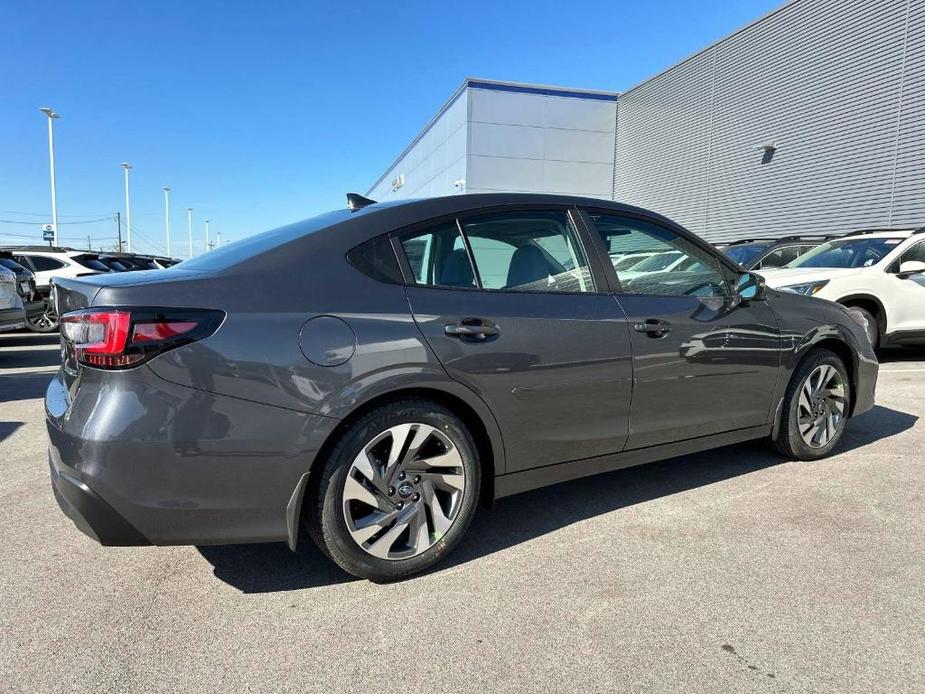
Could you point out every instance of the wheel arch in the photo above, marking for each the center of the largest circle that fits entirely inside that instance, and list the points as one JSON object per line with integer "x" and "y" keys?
{"x": 868, "y": 302}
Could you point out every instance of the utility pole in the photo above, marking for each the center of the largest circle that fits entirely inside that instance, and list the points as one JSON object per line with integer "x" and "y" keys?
{"x": 208, "y": 240}
{"x": 209, "y": 244}
{"x": 89, "y": 243}
{"x": 51, "y": 161}
{"x": 189, "y": 228}
{"x": 128, "y": 208}
{"x": 119, "y": 229}
{"x": 167, "y": 216}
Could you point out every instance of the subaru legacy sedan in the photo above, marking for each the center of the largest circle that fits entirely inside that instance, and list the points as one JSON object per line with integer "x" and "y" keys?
{"x": 412, "y": 359}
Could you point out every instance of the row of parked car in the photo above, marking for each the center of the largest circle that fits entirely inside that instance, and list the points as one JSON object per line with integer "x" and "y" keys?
{"x": 26, "y": 273}
{"x": 879, "y": 274}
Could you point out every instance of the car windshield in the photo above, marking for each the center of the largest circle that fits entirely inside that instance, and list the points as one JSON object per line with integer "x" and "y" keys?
{"x": 746, "y": 253}
{"x": 659, "y": 261}
{"x": 848, "y": 253}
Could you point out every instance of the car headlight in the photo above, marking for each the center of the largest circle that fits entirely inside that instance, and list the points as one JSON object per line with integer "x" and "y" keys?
{"x": 807, "y": 289}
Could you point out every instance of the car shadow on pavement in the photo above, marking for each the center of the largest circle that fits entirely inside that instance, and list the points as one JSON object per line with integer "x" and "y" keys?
{"x": 272, "y": 567}
{"x": 7, "y": 429}
{"x": 27, "y": 386}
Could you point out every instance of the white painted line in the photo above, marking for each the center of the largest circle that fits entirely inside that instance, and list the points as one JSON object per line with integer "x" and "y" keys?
{"x": 28, "y": 348}
{"x": 28, "y": 370}
{"x": 901, "y": 371}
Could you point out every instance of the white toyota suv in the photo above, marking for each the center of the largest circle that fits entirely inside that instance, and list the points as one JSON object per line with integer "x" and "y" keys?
{"x": 877, "y": 273}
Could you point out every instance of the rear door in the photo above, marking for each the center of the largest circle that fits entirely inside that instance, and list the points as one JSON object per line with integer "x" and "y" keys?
{"x": 512, "y": 308}
{"x": 703, "y": 363}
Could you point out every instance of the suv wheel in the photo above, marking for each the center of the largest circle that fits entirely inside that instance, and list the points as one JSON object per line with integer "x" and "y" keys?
{"x": 44, "y": 322}
{"x": 871, "y": 326}
{"x": 398, "y": 491}
{"x": 815, "y": 407}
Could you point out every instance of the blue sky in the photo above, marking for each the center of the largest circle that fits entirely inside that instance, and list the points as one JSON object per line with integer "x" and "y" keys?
{"x": 259, "y": 114}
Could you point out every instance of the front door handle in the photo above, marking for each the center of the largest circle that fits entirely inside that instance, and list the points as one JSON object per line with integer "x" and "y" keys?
{"x": 653, "y": 327}
{"x": 472, "y": 329}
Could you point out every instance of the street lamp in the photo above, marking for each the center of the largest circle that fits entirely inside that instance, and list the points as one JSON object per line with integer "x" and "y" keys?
{"x": 51, "y": 160}
{"x": 128, "y": 208}
{"x": 208, "y": 241}
{"x": 167, "y": 216}
{"x": 189, "y": 228}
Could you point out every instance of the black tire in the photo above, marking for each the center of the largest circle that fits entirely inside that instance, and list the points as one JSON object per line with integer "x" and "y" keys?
{"x": 790, "y": 440}
{"x": 871, "y": 326}
{"x": 325, "y": 514}
{"x": 45, "y": 322}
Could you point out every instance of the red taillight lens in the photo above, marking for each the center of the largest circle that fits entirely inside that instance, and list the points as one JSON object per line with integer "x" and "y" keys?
{"x": 117, "y": 338}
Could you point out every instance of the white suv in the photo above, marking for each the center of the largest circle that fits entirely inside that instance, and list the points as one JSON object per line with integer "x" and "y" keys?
{"x": 47, "y": 262}
{"x": 879, "y": 274}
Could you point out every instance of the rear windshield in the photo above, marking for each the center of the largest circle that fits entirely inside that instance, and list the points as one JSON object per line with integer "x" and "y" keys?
{"x": 246, "y": 248}
{"x": 90, "y": 261}
{"x": 11, "y": 264}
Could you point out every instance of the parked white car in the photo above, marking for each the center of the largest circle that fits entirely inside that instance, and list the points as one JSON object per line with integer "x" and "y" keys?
{"x": 12, "y": 314}
{"x": 878, "y": 274}
{"x": 46, "y": 262}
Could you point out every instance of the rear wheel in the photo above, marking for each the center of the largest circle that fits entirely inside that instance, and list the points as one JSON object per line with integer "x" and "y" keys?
{"x": 44, "y": 322}
{"x": 397, "y": 492}
{"x": 815, "y": 407}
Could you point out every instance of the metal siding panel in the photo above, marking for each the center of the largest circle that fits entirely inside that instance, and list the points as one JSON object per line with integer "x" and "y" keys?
{"x": 828, "y": 82}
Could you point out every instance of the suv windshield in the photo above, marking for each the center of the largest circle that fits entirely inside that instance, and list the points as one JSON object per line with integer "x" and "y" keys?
{"x": 848, "y": 253}
{"x": 746, "y": 253}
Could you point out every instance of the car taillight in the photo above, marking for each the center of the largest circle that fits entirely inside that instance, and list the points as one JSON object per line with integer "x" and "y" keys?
{"x": 121, "y": 338}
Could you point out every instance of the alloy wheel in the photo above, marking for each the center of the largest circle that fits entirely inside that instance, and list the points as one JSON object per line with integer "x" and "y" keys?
{"x": 821, "y": 407}
{"x": 403, "y": 491}
{"x": 45, "y": 321}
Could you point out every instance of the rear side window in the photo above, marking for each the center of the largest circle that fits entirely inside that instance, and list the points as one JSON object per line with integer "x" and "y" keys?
{"x": 376, "y": 259}
{"x": 91, "y": 262}
{"x": 43, "y": 264}
{"x": 438, "y": 258}
{"x": 780, "y": 257}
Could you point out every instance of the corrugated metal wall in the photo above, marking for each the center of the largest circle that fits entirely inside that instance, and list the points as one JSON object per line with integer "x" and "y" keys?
{"x": 837, "y": 85}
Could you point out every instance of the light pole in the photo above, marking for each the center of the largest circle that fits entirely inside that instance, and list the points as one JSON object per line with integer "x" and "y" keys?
{"x": 51, "y": 160}
{"x": 167, "y": 216}
{"x": 218, "y": 239}
{"x": 128, "y": 209}
{"x": 208, "y": 240}
{"x": 189, "y": 228}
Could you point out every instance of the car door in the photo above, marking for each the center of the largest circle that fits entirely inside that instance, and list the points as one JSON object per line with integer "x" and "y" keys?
{"x": 703, "y": 361}
{"x": 906, "y": 294}
{"x": 511, "y": 307}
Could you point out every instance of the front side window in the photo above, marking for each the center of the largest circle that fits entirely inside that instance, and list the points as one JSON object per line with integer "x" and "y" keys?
{"x": 853, "y": 252}
{"x": 674, "y": 266}
{"x": 915, "y": 253}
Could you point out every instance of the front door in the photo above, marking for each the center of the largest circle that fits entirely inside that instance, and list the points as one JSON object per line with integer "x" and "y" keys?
{"x": 512, "y": 310}
{"x": 703, "y": 362}
{"x": 907, "y": 297}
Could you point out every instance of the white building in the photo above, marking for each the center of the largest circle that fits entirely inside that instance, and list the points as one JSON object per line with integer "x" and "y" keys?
{"x": 502, "y": 136}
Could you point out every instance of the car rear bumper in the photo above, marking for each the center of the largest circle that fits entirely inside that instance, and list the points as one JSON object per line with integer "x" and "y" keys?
{"x": 138, "y": 460}
{"x": 12, "y": 318}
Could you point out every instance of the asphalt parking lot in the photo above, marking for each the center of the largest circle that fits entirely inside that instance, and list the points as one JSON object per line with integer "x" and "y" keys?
{"x": 732, "y": 570}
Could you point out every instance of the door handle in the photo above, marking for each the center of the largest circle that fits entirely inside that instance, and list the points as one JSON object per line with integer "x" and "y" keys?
{"x": 653, "y": 327}
{"x": 473, "y": 329}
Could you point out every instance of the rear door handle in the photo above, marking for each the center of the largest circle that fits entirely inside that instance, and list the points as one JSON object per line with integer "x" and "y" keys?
{"x": 472, "y": 329}
{"x": 653, "y": 327}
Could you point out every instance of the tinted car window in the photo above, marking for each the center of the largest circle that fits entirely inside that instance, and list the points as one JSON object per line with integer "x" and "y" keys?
{"x": 43, "y": 264}
{"x": 376, "y": 259}
{"x": 780, "y": 257}
{"x": 528, "y": 251}
{"x": 438, "y": 257}
{"x": 916, "y": 253}
{"x": 697, "y": 274}
{"x": 91, "y": 262}
{"x": 11, "y": 264}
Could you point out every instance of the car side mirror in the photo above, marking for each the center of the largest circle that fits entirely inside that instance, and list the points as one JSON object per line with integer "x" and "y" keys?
{"x": 751, "y": 287}
{"x": 911, "y": 267}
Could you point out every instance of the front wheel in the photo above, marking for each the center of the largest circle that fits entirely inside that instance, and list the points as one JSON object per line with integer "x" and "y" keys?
{"x": 397, "y": 492}
{"x": 815, "y": 407}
